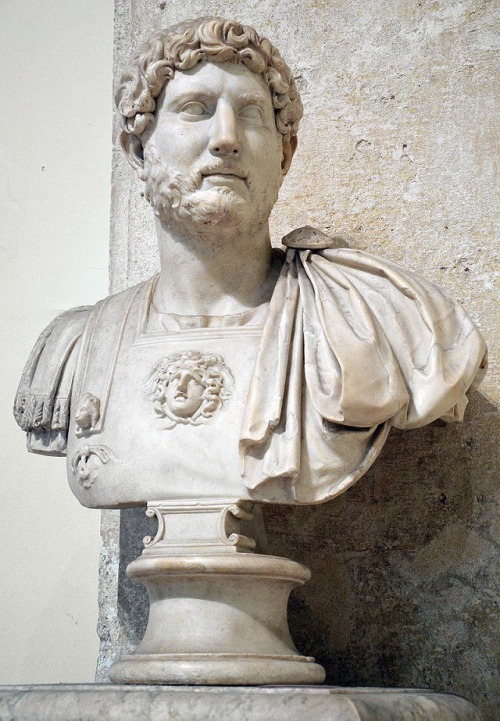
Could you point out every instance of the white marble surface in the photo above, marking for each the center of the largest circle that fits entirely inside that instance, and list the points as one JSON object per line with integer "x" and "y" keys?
{"x": 216, "y": 619}
{"x": 166, "y": 703}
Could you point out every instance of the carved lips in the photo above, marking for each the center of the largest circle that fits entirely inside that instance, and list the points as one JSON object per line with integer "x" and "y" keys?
{"x": 223, "y": 174}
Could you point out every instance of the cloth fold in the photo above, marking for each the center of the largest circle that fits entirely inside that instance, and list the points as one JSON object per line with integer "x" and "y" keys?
{"x": 352, "y": 345}
{"x": 42, "y": 403}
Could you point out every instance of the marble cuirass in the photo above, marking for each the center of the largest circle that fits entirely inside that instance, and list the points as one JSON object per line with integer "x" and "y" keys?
{"x": 288, "y": 403}
{"x": 140, "y": 447}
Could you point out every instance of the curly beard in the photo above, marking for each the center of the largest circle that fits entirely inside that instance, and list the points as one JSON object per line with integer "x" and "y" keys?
{"x": 181, "y": 198}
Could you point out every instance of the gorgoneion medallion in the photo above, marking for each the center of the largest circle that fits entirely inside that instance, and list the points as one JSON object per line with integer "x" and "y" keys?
{"x": 188, "y": 387}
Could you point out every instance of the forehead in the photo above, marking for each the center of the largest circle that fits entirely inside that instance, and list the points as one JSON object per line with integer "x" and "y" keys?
{"x": 218, "y": 80}
{"x": 180, "y": 368}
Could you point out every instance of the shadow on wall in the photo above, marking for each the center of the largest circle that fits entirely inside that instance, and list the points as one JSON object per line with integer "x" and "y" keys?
{"x": 402, "y": 565}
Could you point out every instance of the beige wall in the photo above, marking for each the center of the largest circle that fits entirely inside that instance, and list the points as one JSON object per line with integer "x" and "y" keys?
{"x": 56, "y": 60}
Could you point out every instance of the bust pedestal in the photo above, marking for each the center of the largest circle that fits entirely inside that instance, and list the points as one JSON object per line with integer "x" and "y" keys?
{"x": 218, "y": 611}
{"x": 217, "y": 640}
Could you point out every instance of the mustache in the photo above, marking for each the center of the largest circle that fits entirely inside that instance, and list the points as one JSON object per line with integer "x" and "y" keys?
{"x": 221, "y": 168}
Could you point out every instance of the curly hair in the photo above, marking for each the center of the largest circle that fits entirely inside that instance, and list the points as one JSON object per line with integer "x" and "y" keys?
{"x": 182, "y": 47}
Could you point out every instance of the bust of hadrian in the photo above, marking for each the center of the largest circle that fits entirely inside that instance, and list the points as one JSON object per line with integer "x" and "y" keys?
{"x": 236, "y": 372}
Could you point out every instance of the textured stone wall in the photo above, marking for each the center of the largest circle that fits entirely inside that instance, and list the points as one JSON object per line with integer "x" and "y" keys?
{"x": 397, "y": 156}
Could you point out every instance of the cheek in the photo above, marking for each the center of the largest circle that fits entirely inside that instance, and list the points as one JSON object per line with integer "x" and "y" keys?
{"x": 269, "y": 168}
{"x": 269, "y": 142}
{"x": 195, "y": 391}
{"x": 178, "y": 144}
{"x": 274, "y": 152}
{"x": 266, "y": 155}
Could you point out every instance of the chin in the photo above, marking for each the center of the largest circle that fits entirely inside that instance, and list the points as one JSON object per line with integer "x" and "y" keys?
{"x": 217, "y": 206}
{"x": 182, "y": 201}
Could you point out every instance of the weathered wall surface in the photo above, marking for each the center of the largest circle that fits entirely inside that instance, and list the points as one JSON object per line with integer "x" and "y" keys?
{"x": 397, "y": 156}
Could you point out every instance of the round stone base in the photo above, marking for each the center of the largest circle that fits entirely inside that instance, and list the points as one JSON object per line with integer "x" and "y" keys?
{"x": 217, "y": 669}
{"x": 217, "y": 620}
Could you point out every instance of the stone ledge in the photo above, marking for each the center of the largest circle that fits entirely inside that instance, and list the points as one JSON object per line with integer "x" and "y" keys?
{"x": 105, "y": 702}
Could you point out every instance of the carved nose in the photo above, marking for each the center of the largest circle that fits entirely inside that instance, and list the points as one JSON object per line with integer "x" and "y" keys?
{"x": 224, "y": 137}
{"x": 183, "y": 382}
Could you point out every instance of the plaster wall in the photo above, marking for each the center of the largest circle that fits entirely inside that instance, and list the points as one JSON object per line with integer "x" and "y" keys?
{"x": 55, "y": 60}
{"x": 397, "y": 156}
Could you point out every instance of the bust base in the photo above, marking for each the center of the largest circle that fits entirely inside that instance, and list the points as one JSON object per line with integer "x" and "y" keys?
{"x": 233, "y": 669}
{"x": 105, "y": 702}
{"x": 217, "y": 619}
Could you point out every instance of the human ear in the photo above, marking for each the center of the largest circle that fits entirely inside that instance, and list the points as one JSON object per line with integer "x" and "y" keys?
{"x": 289, "y": 148}
{"x": 132, "y": 147}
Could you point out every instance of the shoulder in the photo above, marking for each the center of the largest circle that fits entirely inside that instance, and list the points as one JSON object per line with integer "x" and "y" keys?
{"x": 423, "y": 351}
{"x": 41, "y": 406}
{"x": 50, "y": 352}
{"x": 42, "y": 403}
{"x": 68, "y": 324}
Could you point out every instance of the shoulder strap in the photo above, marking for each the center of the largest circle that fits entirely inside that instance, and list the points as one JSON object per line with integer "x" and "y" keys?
{"x": 99, "y": 351}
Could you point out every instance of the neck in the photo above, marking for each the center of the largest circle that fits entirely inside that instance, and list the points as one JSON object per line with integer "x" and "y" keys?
{"x": 222, "y": 273}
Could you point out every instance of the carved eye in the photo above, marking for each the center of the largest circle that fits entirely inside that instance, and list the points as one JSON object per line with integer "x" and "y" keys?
{"x": 193, "y": 109}
{"x": 251, "y": 112}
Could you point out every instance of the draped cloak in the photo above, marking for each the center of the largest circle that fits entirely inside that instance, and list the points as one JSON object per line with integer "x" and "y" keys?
{"x": 352, "y": 344}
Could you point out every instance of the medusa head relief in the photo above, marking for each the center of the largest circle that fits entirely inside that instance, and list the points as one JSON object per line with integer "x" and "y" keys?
{"x": 189, "y": 387}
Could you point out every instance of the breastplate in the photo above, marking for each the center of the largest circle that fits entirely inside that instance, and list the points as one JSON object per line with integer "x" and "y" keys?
{"x": 167, "y": 409}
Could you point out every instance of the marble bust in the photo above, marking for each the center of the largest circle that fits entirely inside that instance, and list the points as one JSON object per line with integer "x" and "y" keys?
{"x": 238, "y": 374}
{"x": 326, "y": 349}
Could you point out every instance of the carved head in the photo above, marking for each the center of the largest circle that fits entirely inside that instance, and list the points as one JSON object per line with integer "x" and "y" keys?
{"x": 208, "y": 39}
{"x": 87, "y": 412}
{"x": 188, "y": 387}
{"x": 184, "y": 125}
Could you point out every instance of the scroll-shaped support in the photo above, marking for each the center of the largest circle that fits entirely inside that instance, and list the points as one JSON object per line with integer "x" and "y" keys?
{"x": 218, "y": 611}
{"x": 202, "y": 527}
